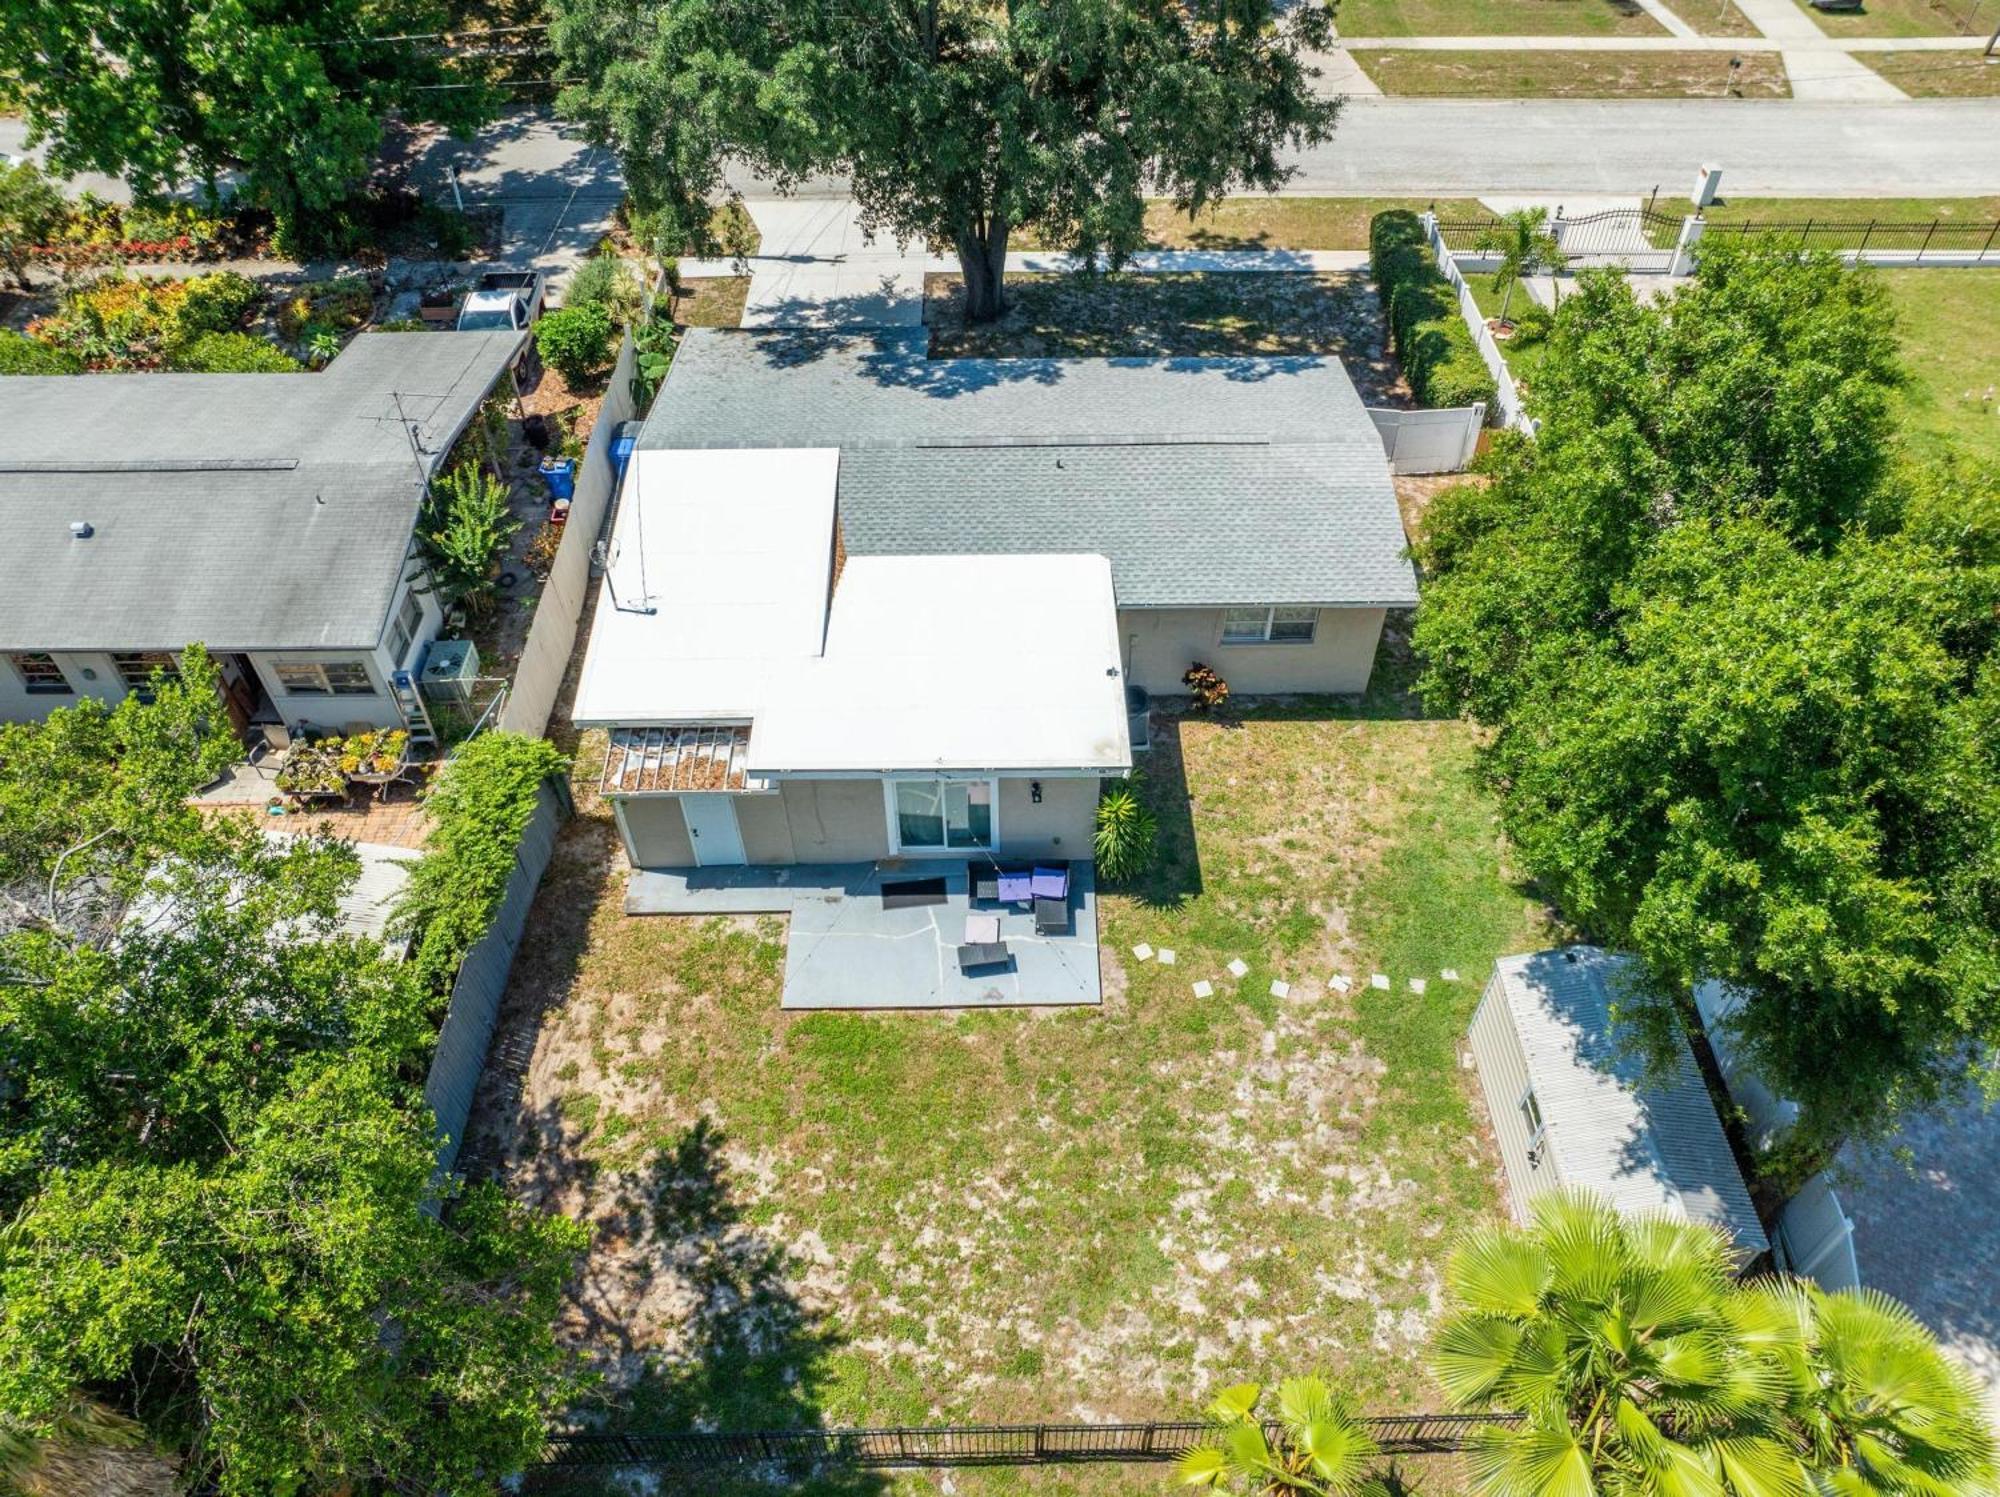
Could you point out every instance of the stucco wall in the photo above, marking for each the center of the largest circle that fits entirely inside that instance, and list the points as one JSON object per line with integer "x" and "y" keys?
{"x": 836, "y": 821}
{"x": 1503, "y": 1077}
{"x": 1058, "y": 828}
{"x": 18, "y": 704}
{"x": 655, "y": 831}
{"x": 330, "y": 712}
{"x": 1160, "y": 644}
{"x": 767, "y": 835}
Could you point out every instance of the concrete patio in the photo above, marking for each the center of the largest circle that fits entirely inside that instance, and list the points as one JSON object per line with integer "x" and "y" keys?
{"x": 844, "y": 950}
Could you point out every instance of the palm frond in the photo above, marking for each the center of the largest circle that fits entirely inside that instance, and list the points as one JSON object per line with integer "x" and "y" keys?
{"x": 1497, "y": 1272}
{"x": 1473, "y": 1356}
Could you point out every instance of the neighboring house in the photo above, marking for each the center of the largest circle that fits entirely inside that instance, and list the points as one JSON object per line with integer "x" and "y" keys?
{"x": 861, "y": 604}
{"x": 1571, "y": 1107}
{"x": 269, "y": 517}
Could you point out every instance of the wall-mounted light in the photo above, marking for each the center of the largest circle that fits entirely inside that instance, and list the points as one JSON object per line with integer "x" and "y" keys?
{"x": 89, "y": 674}
{"x": 1035, "y": 791}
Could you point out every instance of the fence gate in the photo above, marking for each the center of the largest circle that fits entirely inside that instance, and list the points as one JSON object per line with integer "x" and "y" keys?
{"x": 1636, "y": 238}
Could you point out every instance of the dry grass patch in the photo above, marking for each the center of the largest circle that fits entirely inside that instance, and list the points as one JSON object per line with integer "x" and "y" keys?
{"x": 711, "y": 301}
{"x": 1574, "y": 75}
{"x": 1938, "y": 75}
{"x": 1180, "y": 315}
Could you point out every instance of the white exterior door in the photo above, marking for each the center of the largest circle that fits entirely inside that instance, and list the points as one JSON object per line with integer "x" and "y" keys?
{"x": 712, "y": 829}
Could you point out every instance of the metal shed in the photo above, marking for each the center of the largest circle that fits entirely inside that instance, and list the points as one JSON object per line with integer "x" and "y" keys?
{"x": 1571, "y": 1108}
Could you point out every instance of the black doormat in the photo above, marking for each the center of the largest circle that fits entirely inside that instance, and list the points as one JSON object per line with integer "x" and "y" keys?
{"x": 913, "y": 893}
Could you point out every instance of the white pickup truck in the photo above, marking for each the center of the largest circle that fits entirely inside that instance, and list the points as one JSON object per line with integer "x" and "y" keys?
{"x": 503, "y": 301}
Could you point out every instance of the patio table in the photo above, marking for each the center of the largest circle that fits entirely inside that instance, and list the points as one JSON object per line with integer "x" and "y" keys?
{"x": 1016, "y": 888}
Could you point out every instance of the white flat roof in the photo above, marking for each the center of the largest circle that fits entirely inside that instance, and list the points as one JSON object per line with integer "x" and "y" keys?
{"x": 956, "y": 663}
{"x": 732, "y": 550}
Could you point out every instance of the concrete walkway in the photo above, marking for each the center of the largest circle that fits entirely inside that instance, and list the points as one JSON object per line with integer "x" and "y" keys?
{"x": 1818, "y": 67}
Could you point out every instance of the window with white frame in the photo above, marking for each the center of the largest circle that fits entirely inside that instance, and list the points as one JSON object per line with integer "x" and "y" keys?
{"x": 1269, "y": 626}
{"x": 41, "y": 676}
{"x": 409, "y": 618}
{"x": 323, "y": 678}
{"x": 942, "y": 815}
{"x": 1531, "y": 1114}
{"x": 135, "y": 670}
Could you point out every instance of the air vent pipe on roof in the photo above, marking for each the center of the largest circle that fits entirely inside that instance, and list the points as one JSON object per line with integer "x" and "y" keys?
{"x": 80, "y": 530}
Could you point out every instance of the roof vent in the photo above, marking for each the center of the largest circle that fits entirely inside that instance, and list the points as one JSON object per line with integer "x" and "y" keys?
{"x": 80, "y": 530}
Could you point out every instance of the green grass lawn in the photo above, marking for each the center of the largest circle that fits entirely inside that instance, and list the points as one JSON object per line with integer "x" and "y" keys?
{"x": 1948, "y": 320}
{"x": 1938, "y": 75}
{"x": 1714, "y": 17}
{"x": 1019, "y": 1215}
{"x": 1524, "y": 360}
{"x": 1287, "y": 222}
{"x": 1855, "y": 211}
{"x": 1495, "y": 18}
{"x": 1899, "y": 18}
{"x": 1572, "y": 75}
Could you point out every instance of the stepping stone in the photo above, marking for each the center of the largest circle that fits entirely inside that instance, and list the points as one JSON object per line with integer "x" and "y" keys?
{"x": 1340, "y": 982}
{"x": 1204, "y": 989}
{"x": 1450, "y": 974}
{"x": 1417, "y": 986}
{"x": 1143, "y": 952}
{"x": 1166, "y": 956}
{"x": 1238, "y": 967}
{"x": 1379, "y": 980}
{"x": 1280, "y": 989}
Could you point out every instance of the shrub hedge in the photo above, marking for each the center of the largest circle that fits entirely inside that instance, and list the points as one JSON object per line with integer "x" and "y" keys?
{"x": 20, "y": 354}
{"x": 576, "y": 343}
{"x": 231, "y": 353}
{"x": 1439, "y": 358}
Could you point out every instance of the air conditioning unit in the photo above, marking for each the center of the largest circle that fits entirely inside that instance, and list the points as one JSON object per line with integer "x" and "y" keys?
{"x": 450, "y": 668}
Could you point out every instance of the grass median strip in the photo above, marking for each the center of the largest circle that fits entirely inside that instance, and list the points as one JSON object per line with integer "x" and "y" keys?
{"x": 1573, "y": 75}
{"x": 1900, "y": 18}
{"x": 1496, "y": 18}
{"x": 1938, "y": 75}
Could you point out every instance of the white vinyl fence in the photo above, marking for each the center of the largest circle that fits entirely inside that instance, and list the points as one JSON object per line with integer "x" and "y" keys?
{"x": 1507, "y": 395}
{"x": 1433, "y": 441}
{"x": 545, "y": 656}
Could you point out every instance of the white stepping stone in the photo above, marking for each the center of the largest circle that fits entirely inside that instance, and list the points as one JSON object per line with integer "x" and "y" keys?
{"x": 1143, "y": 952}
{"x": 1204, "y": 989}
{"x": 1280, "y": 988}
{"x": 1417, "y": 986}
{"x": 1450, "y": 974}
{"x": 1166, "y": 956}
{"x": 1379, "y": 980}
{"x": 1340, "y": 982}
{"x": 1237, "y": 966}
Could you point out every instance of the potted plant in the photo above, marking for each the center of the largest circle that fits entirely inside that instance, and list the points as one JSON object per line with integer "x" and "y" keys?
{"x": 375, "y": 758}
{"x": 312, "y": 771}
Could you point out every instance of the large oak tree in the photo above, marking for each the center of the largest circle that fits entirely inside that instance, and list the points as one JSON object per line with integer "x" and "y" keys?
{"x": 958, "y": 121}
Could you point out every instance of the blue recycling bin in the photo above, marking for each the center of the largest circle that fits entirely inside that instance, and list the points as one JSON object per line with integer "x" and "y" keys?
{"x": 560, "y": 476}
{"x": 623, "y": 443}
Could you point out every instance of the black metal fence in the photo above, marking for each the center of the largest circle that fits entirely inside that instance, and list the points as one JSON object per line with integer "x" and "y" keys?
{"x": 1932, "y": 236}
{"x": 1630, "y": 233}
{"x": 967, "y": 1445}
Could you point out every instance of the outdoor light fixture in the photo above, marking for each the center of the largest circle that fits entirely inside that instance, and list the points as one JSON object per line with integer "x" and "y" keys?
{"x": 1035, "y": 791}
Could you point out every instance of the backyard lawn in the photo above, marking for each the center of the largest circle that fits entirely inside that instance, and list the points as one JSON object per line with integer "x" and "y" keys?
{"x": 1182, "y": 314}
{"x": 1947, "y": 319}
{"x": 1495, "y": 18}
{"x": 1016, "y": 1215}
{"x": 1572, "y": 75}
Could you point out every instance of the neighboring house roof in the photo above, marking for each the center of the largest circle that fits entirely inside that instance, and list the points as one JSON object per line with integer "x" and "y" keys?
{"x": 721, "y": 606}
{"x": 244, "y": 511}
{"x": 1207, "y": 482}
{"x": 1647, "y": 1142}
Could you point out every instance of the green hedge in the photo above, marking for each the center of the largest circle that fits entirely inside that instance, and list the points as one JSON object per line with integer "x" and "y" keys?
{"x": 479, "y": 805}
{"x": 20, "y": 354}
{"x": 232, "y": 353}
{"x": 1439, "y": 358}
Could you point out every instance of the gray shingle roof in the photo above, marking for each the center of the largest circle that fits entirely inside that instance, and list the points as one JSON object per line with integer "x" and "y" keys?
{"x": 1206, "y": 482}
{"x": 1647, "y": 1142}
{"x": 244, "y": 511}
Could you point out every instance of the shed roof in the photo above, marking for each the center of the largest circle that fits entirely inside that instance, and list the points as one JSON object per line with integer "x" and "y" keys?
{"x": 1206, "y": 482}
{"x": 244, "y": 511}
{"x": 1646, "y": 1142}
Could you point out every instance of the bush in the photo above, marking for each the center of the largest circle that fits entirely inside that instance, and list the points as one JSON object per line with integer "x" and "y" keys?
{"x": 606, "y": 281}
{"x": 465, "y": 530}
{"x": 1438, "y": 355}
{"x": 1127, "y": 837}
{"x": 232, "y": 353}
{"x": 479, "y": 805}
{"x": 344, "y": 302}
{"x": 1207, "y": 688}
{"x": 20, "y": 354}
{"x": 575, "y": 342}
{"x": 119, "y": 322}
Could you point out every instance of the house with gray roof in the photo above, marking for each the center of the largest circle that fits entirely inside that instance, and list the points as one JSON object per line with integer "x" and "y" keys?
{"x": 861, "y": 604}
{"x": 1574, "y": 1106}
{"x": 269, "y": 517}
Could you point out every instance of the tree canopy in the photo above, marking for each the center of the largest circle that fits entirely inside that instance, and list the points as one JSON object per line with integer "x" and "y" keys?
{"x": 958, "y": 121}
{"x": 292, "y": 96}
{"x": 213, "y": 1150}
{"x": 1741, "y": 663}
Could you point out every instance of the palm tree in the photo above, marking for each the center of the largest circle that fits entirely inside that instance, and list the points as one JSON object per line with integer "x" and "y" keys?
{"x": 1640, "y": 1368}
{"x": 1526, "y": 247}
{"x": 1322, "y": 1451}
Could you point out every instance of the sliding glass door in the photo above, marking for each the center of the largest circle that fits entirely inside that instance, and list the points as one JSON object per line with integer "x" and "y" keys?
{"x": 941, "y": 816}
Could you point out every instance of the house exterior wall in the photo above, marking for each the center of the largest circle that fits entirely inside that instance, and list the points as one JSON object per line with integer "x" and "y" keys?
{"x": 846, "y": 821}
{"x": 1160, "y": 644}
{"x": 19, "y": 705}
{"x": 1503, "y": 1077}
{"x": 378, "y": 710}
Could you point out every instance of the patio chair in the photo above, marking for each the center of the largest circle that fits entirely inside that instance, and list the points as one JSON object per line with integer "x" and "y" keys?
{"x": 1051, "y": 916}
{"x": 983, "y": 954}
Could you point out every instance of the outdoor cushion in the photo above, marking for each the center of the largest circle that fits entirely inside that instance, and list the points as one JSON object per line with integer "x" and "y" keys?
{"x": 1050, "y": 883}
{"x": 981, "y": 930}
{"x": 1051, "y": 917}
{"x": 1016, "y": 888}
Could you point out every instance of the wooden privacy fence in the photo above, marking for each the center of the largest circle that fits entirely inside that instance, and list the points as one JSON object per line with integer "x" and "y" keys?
{"x": 545, "y": 656}
{"x": 968, "y": 1445}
